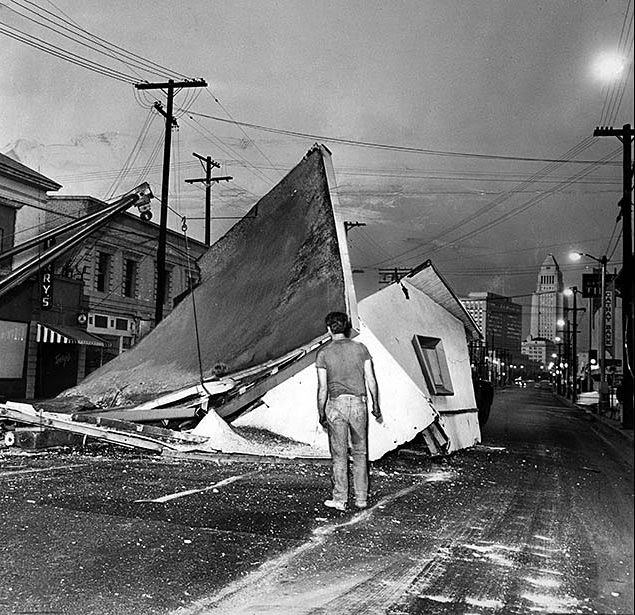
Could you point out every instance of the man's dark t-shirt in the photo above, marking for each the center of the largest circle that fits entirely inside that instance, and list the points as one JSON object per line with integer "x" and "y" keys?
{"x": 344, "y": 363}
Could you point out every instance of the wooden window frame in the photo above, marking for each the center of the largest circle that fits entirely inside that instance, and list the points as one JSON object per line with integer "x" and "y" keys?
{"x": 434, "y": 365}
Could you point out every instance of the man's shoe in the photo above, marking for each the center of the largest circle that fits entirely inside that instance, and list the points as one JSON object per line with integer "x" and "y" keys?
{"x": 335, "y": 504}
{"x": 361, "y": 505}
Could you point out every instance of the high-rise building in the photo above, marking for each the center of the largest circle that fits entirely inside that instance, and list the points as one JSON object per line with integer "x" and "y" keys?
{"x": 547, "y": 301}
{"x": 498, "y": 318}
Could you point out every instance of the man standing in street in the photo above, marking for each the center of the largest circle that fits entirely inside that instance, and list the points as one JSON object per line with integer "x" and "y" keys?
{"x": 345, "y": 372}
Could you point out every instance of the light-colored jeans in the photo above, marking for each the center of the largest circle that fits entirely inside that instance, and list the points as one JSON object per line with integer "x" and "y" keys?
{"x": 347, "y": 416}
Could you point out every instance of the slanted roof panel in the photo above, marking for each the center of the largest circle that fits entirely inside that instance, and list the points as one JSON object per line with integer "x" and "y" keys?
{"x": 266, "y": 287}
{"x": 428, "y": 280}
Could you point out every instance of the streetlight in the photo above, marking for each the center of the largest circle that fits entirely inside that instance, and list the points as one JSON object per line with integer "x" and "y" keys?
{"x": 603, "y": 399}
{"x": 573, "y": 291}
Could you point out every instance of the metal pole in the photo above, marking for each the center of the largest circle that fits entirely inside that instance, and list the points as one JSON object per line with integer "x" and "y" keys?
{"x": 568, "y": 362}
{"x": 589, "y": 372}
{"x": 603, "y": 397}
{"x": 574, "y": 350}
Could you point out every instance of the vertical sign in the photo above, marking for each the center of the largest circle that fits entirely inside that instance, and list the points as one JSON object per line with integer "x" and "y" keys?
{"x": 46, "y": 288}
{"x": 609, "y": 311}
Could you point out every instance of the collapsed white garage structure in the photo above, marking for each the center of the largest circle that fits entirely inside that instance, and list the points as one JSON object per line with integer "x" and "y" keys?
{"x": 416, "y": 333}
{"x": 259, "y": 310}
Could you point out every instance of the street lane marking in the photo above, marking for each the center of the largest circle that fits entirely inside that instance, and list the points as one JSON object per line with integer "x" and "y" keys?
{"x": 182, "y": 494}
{"x": 31, "y": 470}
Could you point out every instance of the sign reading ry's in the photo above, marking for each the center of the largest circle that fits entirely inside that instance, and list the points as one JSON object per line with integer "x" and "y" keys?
{"x": 46, "y": 288}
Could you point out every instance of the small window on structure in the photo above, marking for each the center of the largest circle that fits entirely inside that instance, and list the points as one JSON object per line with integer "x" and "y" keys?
{"x": 101, "y": 322}
{"x": 129, "y": 277}
{"x": 431, "y": 356}
{"x": 121, "y": 324}
{"x": 102, "y": 277}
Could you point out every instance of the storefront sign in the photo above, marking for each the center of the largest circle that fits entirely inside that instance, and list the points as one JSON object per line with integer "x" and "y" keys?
{"x": 46, "y": 288}
{"x": 609, "y": 318}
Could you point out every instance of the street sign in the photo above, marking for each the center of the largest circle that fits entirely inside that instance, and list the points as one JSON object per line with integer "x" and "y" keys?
{"x": 591, "y": 285}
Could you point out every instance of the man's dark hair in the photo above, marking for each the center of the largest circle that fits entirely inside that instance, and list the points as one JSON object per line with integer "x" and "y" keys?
{"x": 338, "y": 322}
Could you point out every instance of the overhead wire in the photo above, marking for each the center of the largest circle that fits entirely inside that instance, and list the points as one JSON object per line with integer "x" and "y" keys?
{"x": 615, "y": 90}
{"x": 63, "y": 54}
{"x": 488, "y": 207}
{"x": 524, "y": 207}
{"x": 390, "y": 147}
{"x": 125, "y": 56}
{"x": 208, "y": 135}
{"x": 229, "y": 115}
{"x": 132, "y": 156}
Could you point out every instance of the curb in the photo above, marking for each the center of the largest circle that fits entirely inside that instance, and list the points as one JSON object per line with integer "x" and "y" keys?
{"x": 609, "y": 424}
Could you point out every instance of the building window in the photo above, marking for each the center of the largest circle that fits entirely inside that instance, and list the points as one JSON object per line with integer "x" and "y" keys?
{"x": 434, "y": 365}
{"x": 101, "y": 321}
{"x": 102, "y": 277}
{"x": 121, "y": 324}
{"x": 129, "y": 277}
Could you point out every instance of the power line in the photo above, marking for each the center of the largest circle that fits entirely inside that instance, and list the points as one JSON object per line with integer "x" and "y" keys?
{"x": 63, "y": 54}
{"x": 129, "y": 58}
{"x": 399, "y": 148}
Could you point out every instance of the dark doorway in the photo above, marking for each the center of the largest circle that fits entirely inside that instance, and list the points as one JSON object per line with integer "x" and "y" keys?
{"x": 57, "y": 369}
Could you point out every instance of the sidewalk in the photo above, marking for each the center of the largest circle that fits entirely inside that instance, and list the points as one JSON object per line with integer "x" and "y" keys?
{"x": 591, "y": 410}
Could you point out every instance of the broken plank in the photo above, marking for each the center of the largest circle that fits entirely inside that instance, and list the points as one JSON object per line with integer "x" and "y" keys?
{"x": 139, "y": 415}
{"x": 25, "y": 413}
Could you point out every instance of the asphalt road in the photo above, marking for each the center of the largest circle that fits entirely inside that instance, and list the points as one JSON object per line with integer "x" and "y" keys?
{"x": 537, "y": 519}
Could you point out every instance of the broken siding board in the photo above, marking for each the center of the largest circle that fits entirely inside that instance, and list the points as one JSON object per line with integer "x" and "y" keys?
{"x": 258, "y": 389}
{"x": 137, "y": 415}
{"x": 27, "y": 414}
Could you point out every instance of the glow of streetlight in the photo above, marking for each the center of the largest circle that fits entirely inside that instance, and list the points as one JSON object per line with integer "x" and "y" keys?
{"x": 561, "y": 323}
{"x": 575, "y": 256}
{"x": 568, "y": 292}
{"x": 557, "y": 339}
{"x": 608, "y": 66}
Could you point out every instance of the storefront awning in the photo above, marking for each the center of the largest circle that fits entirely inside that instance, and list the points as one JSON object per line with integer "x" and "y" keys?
{"x": 59, "y": 334}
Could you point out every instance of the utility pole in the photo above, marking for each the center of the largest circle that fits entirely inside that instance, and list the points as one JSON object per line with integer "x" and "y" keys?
{"x": 625, "y": 135}
{"x": 574, "y": 341}
{"x": 208, "y": 180}
{"x": 170, "y": 86}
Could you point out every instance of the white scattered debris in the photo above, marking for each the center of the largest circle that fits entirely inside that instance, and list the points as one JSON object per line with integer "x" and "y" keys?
{"x": 540, "y": 537}
{"x": 437, "y": 598}
{"x": 437, "y": 477}
{"x": 554, "y": 604}
{"x": 484, "y": 603}
{"x": 490, "y": 548}
{"x": 615, "y": 594}
{"x": 542, "y": 582}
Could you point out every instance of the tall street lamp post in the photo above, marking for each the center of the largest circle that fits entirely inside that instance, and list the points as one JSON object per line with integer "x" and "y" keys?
{"x": 573, "y": 291}
{"x": 603, "y": 402}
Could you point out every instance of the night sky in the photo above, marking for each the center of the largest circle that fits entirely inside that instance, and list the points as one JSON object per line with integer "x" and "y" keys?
{"x": 444, "y": 118}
